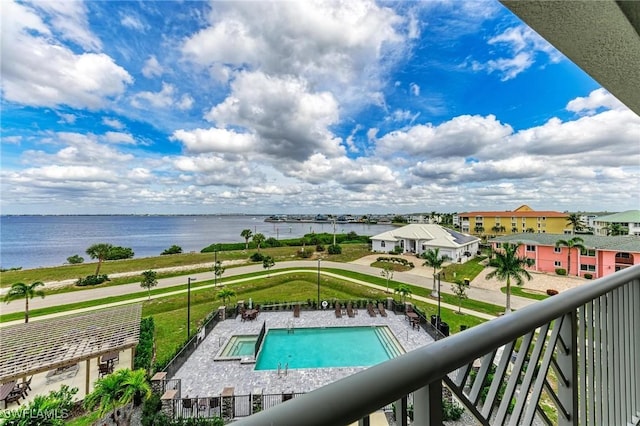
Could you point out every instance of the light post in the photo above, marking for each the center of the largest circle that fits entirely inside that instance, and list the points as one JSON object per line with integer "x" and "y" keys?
{"x": 189, "y": 306}
{"x": 438, "y": 318}
{"x": 319, "y": 283}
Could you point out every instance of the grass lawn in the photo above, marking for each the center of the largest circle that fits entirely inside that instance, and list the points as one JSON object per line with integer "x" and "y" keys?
{"x": 391, "y": 265}
{"x": 73, "y": 272}
{"x": 469, "y": 270}
{"x": 526, "y": 292}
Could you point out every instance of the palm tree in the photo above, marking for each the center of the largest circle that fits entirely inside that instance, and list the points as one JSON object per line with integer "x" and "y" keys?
{"x": 510, "y": 266}
{"x": 576, "y": 222}
{"x": 575, "y": 242}
{"x": 616, "y": 229}
{"x": 246, "y": 234}
{"x": 258, "y": 239}
{"x": 226, "y": 294}
{"x": 403, "y": 291}
{"x": 20, "y": 290}
{"x": 432, "y": 258}
{"x": 479, "y": 229}
{"x": 117, "y": 389}
{"x": 99, "y": 251}
{"x": 149, "y": 279}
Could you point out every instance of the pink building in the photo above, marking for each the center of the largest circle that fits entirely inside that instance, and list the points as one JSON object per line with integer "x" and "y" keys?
{"x": 601, "y": 256}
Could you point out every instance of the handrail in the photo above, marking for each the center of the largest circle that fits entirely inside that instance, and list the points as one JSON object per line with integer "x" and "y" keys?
{"x": 389, "y": 381}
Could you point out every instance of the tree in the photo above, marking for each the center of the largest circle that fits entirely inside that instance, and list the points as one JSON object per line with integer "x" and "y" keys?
{"x": 575, "y": 242}
{"x": 99, "y": 251}
{"x": 509, "y": 266}
{"x": 75, "y": 259}
{"x": 616, "y": 229}
{"x": 403, "y": 291}
{"x": 576, "y": 222}
{"x": 459, "y": 288}
{"x": 149, "y": 279}
{"x": 268, "y": 262}
{"x": 22, "y": 290}
{"x": 226, "y": 294}
{"x": 116, "y": 390}
{"x": 218, "y": 270}
{"x": 246, "y": 234}
{"x": 387, "y": 272}
{"x": 258, "y": 239}
{"x": 479, "y": 229}
{"x": 432, "y": 258}
{"x": 174, "y": 249}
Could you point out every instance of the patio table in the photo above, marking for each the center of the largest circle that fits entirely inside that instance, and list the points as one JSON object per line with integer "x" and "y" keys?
{"x": 5, "y": 390}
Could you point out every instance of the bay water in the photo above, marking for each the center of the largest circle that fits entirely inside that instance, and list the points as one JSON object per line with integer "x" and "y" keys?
{"x": 37, "y": 241}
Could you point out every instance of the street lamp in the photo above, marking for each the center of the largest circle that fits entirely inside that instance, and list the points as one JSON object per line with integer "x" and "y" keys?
{"x": 319, "y": 283}
{"x": 189, "y": 306}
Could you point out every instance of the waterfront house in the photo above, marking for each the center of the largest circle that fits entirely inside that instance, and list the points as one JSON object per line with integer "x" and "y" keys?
{"x": 418, "y": 238}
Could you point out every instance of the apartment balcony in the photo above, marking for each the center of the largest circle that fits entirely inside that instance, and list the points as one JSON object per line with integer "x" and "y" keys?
{"x": 584, "y": 344}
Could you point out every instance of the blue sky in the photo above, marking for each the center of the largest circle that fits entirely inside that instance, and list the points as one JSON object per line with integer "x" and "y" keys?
{"x": 301, "y": 107}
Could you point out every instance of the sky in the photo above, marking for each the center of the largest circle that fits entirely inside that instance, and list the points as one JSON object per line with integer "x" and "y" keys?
{"x": 300, "y": 107}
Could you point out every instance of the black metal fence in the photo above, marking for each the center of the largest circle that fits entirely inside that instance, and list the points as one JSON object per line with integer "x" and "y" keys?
{"x": 433, "y": 326}
{"x": 263, "y": 331}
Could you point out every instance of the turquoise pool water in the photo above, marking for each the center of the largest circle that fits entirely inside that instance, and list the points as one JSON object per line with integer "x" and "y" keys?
{"x": 327, "y": 347}
{"x": 239, "y": 346}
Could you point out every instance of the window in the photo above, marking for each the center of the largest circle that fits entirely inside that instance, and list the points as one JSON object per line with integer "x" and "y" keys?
{"x": 498, "y": 245}
{"x": 557, "y": 264}
{"x": 590, "y": 268}
{"x": 557, "y": 249}
{"x": 383, "y": 243}
{"x": 531, "y": 248}
{"x": 622, "y": 255}
{"x": 588, "y": 252}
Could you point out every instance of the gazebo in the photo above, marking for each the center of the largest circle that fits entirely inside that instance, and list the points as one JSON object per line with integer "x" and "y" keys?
{"x": 59, "y": 342}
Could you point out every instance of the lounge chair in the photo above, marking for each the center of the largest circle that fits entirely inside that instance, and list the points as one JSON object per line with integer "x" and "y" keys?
{"x": 370, "y": 310}
{"x": 296, "y": 311}
{"x": 350, "y": 312}
{"x": 104, "y": 369}
{"x": 338, "y": 310}
{"x": 381, "y": 310}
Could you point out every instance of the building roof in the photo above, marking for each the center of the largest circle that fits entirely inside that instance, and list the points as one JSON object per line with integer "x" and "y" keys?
{"x": 630, "y": 216}
{"x": 627, "y": 243}
{"x": 40, "y": 346}
{"x": 436, "y": 235}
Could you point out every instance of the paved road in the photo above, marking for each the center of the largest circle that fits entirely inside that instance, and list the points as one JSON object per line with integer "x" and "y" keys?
{"x": 418, "y": 279}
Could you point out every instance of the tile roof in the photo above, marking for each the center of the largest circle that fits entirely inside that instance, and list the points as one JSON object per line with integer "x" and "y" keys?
{"x": 628, "y": 243}
{"x": 435, "y": 234}
{"x": 514, "y": 214}
{"x": 630, "y": 216}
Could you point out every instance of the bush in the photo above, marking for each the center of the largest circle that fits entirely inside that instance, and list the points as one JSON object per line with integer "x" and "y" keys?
{"x": 319, "y": 247}
{"x": 257, "y": 257}
{"x": 75, "y": 259}
{"x": 117, "y": 253}
{"x": 451, "y": 410}
{"x": 494, "y": 263}
{"x": 588, "y": 276}
{"x": 335, "y": 249}
{"x": 92, "y": 280}
{"x": 144, "y": 350}
{"x": 561, "y": 271}
{"x": 305, "y": 254}
{"x": 174, "y": 249}
{"x": 57, "y": 401}
{"x": 396, "y": 250}
{"x": 272, "y": 242}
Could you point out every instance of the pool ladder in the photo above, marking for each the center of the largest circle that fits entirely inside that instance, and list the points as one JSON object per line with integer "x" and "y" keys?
{"x": 290, "y": 328}
{"x": 283, "y": 371}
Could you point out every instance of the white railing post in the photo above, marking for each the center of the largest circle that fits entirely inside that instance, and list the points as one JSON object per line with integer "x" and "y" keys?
{"x": 567, "y": 361}
{"x": 427, "y": 405}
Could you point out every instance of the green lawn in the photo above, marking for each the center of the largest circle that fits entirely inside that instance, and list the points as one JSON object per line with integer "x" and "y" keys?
{"x": 525, "y": 292}
{"x": 460, "y": 271}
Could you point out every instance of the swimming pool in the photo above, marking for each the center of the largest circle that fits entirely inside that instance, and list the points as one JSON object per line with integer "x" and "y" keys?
{"x": 327, "y": 347}
{"x": 239, "y": 346}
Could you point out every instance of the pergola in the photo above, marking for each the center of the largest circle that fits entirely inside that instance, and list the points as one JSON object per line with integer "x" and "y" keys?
{"x": 40, "y": 346}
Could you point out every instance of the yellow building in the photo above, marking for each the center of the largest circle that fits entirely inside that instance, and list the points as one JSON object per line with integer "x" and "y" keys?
{"x": 522, "y": 219}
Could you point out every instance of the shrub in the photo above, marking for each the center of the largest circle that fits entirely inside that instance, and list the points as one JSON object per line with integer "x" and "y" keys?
{"x": 272, "y": 242}
{"x": 494, "y": 263}
{"x": 57, "y": 401}
{"x": 174, "y": 249}
{"x": 92, "y": 280}
{"x": 396, "y": 250}
{"x": 75, "y": 259}
{"x": 588, "y": 276}
{"x": 319, "y": 247}
{"x": 552, "y": 292}
{"x": 451, "y": 410}
{"x": 117, "y": 253}
{"x": 257, "y": 257}
{"x": 561, "y": 271}
{"x": 305, "y": 254}
{"x": 335, "y": 249}
{"x": 144, "y": 350}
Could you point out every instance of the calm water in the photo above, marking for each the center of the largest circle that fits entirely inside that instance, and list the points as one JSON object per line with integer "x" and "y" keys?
{"x": 34, "y": 241}
{"x": 321, "y": 347}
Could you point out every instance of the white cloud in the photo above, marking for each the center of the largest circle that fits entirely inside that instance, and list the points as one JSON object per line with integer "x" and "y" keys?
{"x": 162, "y": 99}
{"x": 152, "y": 67}
{"x": 67, "y": 118}
{"x": 215, "y": 140}
{"x": 132, "y": 22}
{"x": 597, "y": 99}
{"x": 52, "y": 74}
{"x": 113, "y": 122}
{"x": 185, "y": 102}
{"x": 415, "y": 89}
{"x": 119, "y": 138}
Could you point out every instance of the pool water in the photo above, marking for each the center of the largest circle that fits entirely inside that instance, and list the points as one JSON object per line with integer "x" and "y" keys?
{"x": 327, "y": 347}
{"x": 239, "y": 346}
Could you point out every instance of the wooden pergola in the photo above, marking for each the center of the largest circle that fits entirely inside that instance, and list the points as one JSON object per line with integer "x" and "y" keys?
{"x": 40, "y": 346}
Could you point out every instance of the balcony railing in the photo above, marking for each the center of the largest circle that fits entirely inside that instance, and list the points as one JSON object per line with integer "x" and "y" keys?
{"x": 583, "y": 345}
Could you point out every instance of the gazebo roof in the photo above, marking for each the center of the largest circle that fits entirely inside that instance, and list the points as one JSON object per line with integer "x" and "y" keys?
{"x": 40, "y": 346}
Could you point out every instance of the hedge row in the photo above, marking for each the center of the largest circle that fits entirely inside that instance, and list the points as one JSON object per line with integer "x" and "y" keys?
{"x": 144, "y": 351}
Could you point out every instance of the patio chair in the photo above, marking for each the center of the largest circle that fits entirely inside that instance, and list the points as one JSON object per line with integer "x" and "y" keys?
{"x": 381, "y": 310}
{"x": 104, "y": 369}
{"x": 14, "y": 396}
{"x": 296, "y": 311}
{"x": 338, "y": 310}
{"x": 370, "y": 310}
{"x": 350, "y": 312}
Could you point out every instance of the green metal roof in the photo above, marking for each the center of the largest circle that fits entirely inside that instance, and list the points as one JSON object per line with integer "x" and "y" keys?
{"x": 627, "y": 243}
{"x": 630, "y": 216}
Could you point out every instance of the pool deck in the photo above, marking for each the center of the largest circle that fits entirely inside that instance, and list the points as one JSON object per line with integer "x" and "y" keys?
{"x": 202, "y": 375}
